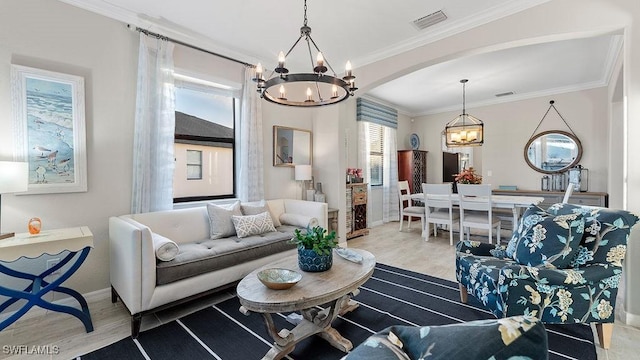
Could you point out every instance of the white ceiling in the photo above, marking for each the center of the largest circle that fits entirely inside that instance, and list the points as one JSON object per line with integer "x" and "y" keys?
{"x": 365, "y": 31}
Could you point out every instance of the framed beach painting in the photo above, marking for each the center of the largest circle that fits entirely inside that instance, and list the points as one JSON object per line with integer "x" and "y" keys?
{"x": 49, "y": 126}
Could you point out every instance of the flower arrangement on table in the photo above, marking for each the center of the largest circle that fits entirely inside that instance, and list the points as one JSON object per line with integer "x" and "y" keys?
{"x": 468, "y": 176}
{"x": 354, "y": 175}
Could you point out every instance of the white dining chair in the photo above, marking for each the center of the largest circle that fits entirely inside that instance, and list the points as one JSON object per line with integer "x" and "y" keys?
{"x": 567, "y": 194}
{"x": 438, "y": 209}
{"x": 476, "y": 210}
{"x": 410, "y": 211}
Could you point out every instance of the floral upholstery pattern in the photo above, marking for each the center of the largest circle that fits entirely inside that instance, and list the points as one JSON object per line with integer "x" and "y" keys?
{"x": 584, "y": 291}
{"x": 546, "y": 238}
{"x": 517, "y": 337}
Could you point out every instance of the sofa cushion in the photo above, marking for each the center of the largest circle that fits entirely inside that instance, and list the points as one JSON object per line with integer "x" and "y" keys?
{"x": 253, "y": 224}
{"x": 298, "y": 220}
{"x": 517, "y": 337}
{"x": 605, "y": 233}
{"x": 220, "y": 219}
{"x": 543, "y": 238}
{"x": 209, "y": 255}
{"x": 165, "y": 248}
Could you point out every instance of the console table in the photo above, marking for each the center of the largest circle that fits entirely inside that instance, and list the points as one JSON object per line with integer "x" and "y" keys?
{"x": 552, "y": 197}
{"x": 77, "y": 241}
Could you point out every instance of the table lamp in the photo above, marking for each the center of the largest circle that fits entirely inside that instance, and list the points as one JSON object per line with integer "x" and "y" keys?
{"x": 303, "y": 174}
{"x": 14, "y": 177}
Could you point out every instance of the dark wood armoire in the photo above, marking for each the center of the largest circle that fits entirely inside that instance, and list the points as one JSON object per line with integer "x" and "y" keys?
{"x": 412, "y": 166}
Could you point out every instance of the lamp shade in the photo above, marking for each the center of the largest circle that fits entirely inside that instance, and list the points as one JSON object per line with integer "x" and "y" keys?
{"x": 14, "y": 176}
{"x": 303, "y": 172}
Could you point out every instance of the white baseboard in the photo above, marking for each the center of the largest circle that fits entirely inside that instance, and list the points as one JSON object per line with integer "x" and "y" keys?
{"x": 630, "y": 319}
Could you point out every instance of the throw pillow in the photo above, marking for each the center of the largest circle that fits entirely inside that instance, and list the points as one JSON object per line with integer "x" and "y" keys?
{"x": 606, "y": 233}
{"x": 253, "y": 224}
{"x": 547, "y": 239}
{"x": 165, "y": 248}
{"x": 298, "y": 220}
{"x": 220, "y": 219}
{"x": 258, "y": 208}
{"x": 276, "y": 207}
{"x": 517, "y": 337}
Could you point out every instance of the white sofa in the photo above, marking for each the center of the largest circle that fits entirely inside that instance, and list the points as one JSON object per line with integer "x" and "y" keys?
{"x": 133, "y": 258}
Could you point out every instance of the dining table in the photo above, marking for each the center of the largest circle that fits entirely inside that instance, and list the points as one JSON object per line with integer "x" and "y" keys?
{"x": 512, "y": 202}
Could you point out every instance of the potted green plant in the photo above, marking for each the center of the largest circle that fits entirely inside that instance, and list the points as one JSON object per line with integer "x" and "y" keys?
{"x": 315, "y": 248}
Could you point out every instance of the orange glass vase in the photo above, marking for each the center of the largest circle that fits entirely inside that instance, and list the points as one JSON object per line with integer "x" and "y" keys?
{"x": 35, "y": 224}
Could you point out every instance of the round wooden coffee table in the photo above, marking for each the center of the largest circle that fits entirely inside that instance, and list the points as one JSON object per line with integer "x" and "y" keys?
{"x": 334, "y": 287}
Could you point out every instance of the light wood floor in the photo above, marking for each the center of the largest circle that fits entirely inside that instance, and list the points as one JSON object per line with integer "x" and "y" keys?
{"x": 65, "y": 336}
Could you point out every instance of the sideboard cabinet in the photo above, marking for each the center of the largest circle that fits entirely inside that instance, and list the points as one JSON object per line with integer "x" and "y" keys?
{"x": 553, "y": 197}
{"x": 357, "y": 198}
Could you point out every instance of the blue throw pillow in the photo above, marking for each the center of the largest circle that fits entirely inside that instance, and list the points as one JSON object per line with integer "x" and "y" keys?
{"x": 517, "y": 337}
{"x": 605, "y": 233}
{"x": 546, "y": 239}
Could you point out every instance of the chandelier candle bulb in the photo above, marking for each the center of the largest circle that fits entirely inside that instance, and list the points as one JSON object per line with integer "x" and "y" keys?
{"x": 319, "y": 60}
{"x": 334, "y": 91}
{"x": 283, "y": 94}
{"x": 309, "y": 94}
{"x": 348, "y": 71}
{"x": 259, "y": 71}
{"x": 281, "y": 59}
{"x": 472, "y": 135}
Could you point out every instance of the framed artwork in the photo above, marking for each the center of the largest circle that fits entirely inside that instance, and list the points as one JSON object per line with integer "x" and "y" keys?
{"x": 291, "y": 146}
{"x": 49, "y": 127}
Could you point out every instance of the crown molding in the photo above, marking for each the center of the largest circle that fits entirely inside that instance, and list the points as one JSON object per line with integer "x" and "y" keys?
{"x": 516, "y": 97}
{"x": 104, "y": 8}
{"x": 444, "y": 29}
{"x": 615, "y": 50}
{"x": 160, "y": 26}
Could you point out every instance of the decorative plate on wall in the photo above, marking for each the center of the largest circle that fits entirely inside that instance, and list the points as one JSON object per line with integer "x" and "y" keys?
{"x": 415, "y": 141}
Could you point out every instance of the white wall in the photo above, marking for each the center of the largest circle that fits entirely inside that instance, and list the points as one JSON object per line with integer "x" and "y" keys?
{"x": 54, "y": 36}
{"x": 509, "y": 126}
{"x": 279, "y": 181}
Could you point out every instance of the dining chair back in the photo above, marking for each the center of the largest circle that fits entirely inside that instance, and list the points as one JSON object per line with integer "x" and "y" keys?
{"x": 408, "y": 210}
{"x": 439, "y": 209}
{"x": 567, "y": 194}
{"x": 476, "y": 210}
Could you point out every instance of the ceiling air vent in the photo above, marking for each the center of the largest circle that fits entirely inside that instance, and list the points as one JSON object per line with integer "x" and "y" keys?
{"x": 429, "y": 20}
{"x": 505, "y": 94}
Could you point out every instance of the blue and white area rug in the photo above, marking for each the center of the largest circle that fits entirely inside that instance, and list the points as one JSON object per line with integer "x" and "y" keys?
{"x": 391, "y": 297}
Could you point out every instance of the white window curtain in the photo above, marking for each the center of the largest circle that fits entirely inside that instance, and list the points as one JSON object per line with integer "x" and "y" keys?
{"x": 390, "y": 201}
{"x": 364, "y": 147}
{"x": 251, "y": 177}
{"x": 153, "y": 158}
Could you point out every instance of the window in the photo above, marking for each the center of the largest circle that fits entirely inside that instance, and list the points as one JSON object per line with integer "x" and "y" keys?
{"x": 194, "y": 165}
{"x": 204, "y": 143}
{"x": 376, "y": 144}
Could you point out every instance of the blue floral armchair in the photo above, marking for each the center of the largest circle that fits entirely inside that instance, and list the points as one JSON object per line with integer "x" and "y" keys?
{"x": 562, "y": 265}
